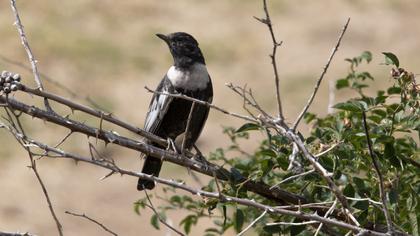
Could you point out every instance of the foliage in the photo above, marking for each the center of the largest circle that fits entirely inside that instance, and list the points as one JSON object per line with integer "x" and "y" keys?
{"x": 393, "y": 126}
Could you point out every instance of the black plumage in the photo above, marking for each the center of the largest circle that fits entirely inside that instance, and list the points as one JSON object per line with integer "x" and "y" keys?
{"x": 167, "y": 116}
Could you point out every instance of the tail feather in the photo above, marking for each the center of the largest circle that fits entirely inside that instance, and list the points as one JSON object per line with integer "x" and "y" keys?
{"x": 151, "y": 167}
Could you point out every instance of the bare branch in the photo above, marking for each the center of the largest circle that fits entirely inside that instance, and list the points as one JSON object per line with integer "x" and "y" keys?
{"x": 158, "y": 216}
{"x": 99, "y": 114}
{"x": 252, "y": 223}
{"x": 267, "y": 21}
{"x": 262, "y": 189}
{"x": 92, "y": 220}
{"x": 28, "y": 50}
{"x": 187, "y": 128}
{"x": 15, "y": 234}
{"x": 293, "y": 177}
{"x": 33, "y": 166}
{"x": 311, "y": 98}
{"x": 246, "y": 202}
{"x": 380, "y": 177}
{"x": 25, "y": 44}
{"x": 178, "y": 95}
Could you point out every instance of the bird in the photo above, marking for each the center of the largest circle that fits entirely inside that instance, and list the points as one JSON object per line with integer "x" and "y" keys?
{"x": 168, "y": 116}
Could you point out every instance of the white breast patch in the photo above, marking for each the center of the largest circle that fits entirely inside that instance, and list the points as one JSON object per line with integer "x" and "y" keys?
{"x": 195, "y": 78}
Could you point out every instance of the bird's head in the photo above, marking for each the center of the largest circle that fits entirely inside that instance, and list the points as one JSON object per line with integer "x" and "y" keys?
{"x": 184, "y": 49}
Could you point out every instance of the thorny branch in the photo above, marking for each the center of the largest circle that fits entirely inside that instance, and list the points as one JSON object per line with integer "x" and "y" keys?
{"x": 28, "y": 50}
{"x": 92, "y": 220}
{"x": 267, "y": 21}
{"x": 179, "y": 185}
{"x": 111, "y": 137}
{"x": 150, "y": 205}
{"x": 15, "y": 122}
{"x": 311, "y": 98}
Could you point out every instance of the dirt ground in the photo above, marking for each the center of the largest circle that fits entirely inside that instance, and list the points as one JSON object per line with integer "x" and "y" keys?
{"x": 108, "y": 51}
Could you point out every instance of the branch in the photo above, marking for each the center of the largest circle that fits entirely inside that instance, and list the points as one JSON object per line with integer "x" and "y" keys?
{"x": 28, "y": 50}
{"x": 99, "y": 114}
{"x": 252, "y": 223}
{"x": 267, "y": 21}
{"x": 215, "y": 195}
{"x": 178, "y": 95}
{"x": 33, "y": 166}
{"x": 15, "y": 234}
{"x": 311, "y": 98}
{"x": 262, "y": 189}
{"x": 378, "y": 172}
{"x": 92, "y": 220}
{"x": 158, "y": 216}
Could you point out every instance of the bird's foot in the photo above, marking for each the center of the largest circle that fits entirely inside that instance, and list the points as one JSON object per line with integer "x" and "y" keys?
{"x": 171, "y": 146}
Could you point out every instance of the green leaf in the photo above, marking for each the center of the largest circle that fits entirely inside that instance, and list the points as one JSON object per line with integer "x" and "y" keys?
{"x": 367, "y": 56}
{"x": 389, "y": 154}
{"x": 248, "y": 127}
{"x": 155, "y": 221}
{"x": 348, "y": 106}
{"x": 391, "y": 59}
{"x": 272, "y": 229}
{"x": 342, "y": 83}
{"x": 239, "y": 220}
{"x": 361, "y": 205}
{"x": 394, "y": 90}
{"x": 188, "y": 222}
{"x": 349, "y": 191}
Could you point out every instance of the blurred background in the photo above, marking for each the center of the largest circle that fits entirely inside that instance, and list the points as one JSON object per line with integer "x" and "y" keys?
{"x": 107, "y": 50}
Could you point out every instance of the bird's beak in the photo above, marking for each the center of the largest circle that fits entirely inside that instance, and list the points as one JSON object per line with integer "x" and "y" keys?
{"x": 163, "y": 37}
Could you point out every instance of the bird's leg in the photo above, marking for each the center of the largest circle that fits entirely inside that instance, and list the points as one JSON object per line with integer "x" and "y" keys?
{"x": 171, "y": 145}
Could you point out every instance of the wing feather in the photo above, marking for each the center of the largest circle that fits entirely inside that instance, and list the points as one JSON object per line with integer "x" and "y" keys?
{"x": 158, "y": 106}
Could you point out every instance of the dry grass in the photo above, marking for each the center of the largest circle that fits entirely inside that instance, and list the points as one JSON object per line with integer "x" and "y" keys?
{"x": 108, "y": 50}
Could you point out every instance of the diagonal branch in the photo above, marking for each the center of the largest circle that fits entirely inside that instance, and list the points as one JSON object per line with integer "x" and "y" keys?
{"x": 380, "y": 177}
{"x": 311, "y": 98}
{"x": 205, "y": 194}
{"x": 28, "y": 50}
{"x": 92, "y": 220}
{"x": 262, "y": 189}
{"x": 267, "y": 21}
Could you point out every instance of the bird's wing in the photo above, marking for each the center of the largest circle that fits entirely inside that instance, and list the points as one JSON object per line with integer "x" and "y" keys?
{"x": 159, "y": 106}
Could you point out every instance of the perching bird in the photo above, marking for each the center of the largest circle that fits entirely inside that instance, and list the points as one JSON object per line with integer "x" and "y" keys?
{"x": 167, "y": 116}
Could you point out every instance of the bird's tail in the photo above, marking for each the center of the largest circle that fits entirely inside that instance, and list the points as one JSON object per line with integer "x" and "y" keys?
{"x": 151, "y": 167}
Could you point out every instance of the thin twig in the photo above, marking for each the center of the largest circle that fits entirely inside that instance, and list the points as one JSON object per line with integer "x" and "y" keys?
{"x": 326, "y": 215}
{"x": 15, "y": 234}
{"x": 92, "y": 220}
{"x": 293, "y": 223}
{"x": 293, "y": 177}
{"x": 158, "y": 216}
{"x": 380, "y": 177}
{"x": 187, "y": 129}
{"x": 252, "y": 223}
{"x": 327, "y": 150}
{"x": 267, "y": 21}
{"x": 28, "y": 50}
{"x": 311, "y": 98}
{"x": 97, "y": 113}
{"x": 33, "y": 166}
{"x": 178, "y": 95}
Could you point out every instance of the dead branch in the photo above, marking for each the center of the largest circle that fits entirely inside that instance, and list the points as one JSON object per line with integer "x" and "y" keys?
{"x": 92, "y": 220}
{"x": 262, "y": 189}
{"x": 311, "y": 98}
